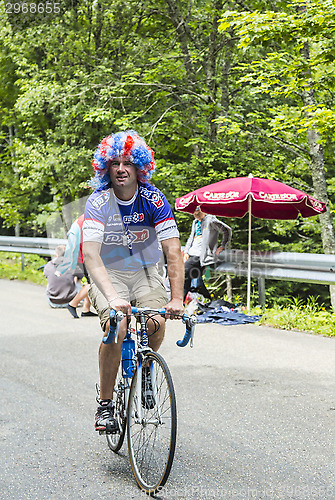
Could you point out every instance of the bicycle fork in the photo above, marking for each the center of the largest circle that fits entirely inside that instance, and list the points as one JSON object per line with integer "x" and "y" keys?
{"x": 156, "y": 417}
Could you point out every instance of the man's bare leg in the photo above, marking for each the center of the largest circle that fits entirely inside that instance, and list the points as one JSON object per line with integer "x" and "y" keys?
{"x": 155, "y": 340}
{"x": 109, "y": 361}
{"x": 110, "y": 356}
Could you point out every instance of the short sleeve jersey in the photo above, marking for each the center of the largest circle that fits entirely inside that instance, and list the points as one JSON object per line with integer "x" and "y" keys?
{"x": 129, "y": 232}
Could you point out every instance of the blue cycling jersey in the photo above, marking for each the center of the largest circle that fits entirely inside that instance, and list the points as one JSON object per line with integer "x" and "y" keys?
{"x": 129, "y": 232}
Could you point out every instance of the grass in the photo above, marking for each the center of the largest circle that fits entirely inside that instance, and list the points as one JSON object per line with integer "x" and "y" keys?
{"x": 10, "y": 267}
{"x": 310, "y": 317}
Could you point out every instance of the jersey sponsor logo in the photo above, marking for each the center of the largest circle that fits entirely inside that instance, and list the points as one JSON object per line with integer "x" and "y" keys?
{"x": 113, "y": 238}
{"x": 101, "y": 200}
{"x": 114, "y": 218}
{"x": 118, "y": 238}
{"x": 141, "y": 235}
{"x": 133, "y": 218}
{"x": 152, "y": 196}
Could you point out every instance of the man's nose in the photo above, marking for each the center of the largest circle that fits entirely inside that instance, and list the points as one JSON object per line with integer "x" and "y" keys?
{"x": 121, "y": 166}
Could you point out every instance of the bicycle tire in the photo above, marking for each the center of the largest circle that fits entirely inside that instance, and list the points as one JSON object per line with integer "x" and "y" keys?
{"x": 152, "y": 442}
{"x": 115, "y": 441}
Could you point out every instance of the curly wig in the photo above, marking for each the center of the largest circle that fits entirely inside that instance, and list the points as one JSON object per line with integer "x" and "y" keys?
{"x": 129, "y": 144}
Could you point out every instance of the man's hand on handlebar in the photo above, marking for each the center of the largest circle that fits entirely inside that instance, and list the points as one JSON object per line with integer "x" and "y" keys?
{"x": 174, "y": 309}
{"x": 120, "y": 305}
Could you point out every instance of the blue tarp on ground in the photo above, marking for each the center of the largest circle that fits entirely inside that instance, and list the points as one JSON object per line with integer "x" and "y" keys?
{"x": 223, "y": 317}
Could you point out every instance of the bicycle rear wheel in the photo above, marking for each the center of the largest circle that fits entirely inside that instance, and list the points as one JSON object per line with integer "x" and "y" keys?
{"x": 115, "y": 441}
{"x": 152, "y": 438}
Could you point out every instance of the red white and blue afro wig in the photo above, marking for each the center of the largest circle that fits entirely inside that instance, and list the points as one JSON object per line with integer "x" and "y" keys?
{"x": 128, "y": 144}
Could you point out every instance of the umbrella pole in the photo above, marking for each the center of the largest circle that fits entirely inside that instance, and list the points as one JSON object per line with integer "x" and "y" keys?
{"x": 249, "y": 256}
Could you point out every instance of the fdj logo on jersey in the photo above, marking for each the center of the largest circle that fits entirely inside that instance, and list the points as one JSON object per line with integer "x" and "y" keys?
{"x": 117, "y": 238}
{"x": 101, "y": 200}
{"x": 141, "y": 236}
{"x": 152, "y": 196}
{"x": 113, "y": 238}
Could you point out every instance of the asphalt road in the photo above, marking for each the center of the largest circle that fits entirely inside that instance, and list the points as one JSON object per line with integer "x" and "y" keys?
{"x": 256, "y": 410}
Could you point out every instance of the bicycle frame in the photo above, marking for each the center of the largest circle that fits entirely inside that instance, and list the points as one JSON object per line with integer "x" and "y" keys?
{"x": 143, "y": 347}
{"x": 151, "y": 424}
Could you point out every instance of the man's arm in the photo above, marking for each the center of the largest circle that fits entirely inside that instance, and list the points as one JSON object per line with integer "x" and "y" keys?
{"x": 98, "y": 272}
{"x": 221, "y": 227}
{"x": 175, "y": 269}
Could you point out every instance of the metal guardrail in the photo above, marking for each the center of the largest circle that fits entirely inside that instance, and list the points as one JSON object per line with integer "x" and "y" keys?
{"x": 289, "y": 266}
{"x": 285, "y": 266}
{"x": 22, "y": 245}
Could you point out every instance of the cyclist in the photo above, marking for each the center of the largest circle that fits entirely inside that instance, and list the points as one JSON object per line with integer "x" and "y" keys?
{"x": 127, "y": 223}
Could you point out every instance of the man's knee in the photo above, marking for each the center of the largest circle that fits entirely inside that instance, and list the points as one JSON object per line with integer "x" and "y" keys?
{"x": 156, "y": 332}
{"x": 121, "y": 333}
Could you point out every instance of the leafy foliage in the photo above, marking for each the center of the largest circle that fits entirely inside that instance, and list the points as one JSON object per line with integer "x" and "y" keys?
{"x": 216, "y": 94}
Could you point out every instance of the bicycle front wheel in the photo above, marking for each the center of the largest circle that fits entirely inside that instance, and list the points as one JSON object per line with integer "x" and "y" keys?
{"x": 152, "y": 427}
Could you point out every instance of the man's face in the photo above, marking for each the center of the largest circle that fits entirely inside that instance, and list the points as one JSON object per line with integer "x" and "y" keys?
{"x": 123, "y": 173}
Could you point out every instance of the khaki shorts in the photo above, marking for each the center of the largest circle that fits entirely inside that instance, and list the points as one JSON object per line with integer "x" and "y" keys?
{"x": 143, "y": 288}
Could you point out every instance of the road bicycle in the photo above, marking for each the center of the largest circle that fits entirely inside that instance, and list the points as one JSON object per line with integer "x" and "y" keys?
{"x": 148, "y": 418}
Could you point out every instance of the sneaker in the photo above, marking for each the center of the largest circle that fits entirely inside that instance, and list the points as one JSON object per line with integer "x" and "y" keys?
{"x": 148, "y": 400}
{"x": 104, "y": 417}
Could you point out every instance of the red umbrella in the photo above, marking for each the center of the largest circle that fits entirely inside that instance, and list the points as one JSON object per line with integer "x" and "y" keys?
{"x": 262, "y": 198}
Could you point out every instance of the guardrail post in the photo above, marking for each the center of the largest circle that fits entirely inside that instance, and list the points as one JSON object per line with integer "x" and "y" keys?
{"x": 22, "y": 261}
{"x": 261, "y": 291}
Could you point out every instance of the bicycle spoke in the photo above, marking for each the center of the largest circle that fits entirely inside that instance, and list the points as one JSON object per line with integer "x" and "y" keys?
{"x": 151, "y": 441}
{"x": 115, "y": 441}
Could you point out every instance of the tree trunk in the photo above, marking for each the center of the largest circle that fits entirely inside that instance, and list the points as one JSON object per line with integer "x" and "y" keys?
{"x": 212, "y": 72}
{"x": 99, "y": 9}
{"x": 11, "y": 135}
{"x": 183, "y": 36}
{"x": 319, "y": 175}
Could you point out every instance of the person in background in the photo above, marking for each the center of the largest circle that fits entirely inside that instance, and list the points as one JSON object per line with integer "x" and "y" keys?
{"x": 202, "y": 248}
{"x": 73, "y": 258}
{"x": 61, "y": 289}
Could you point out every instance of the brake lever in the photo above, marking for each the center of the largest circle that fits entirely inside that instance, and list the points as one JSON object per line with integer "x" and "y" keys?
{"x": 190, "y": 322}
{"x": 115, "y": 318}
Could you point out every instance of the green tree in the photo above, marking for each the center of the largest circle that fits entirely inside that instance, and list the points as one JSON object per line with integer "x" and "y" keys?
{"x": 297, "y": 73}
{"x": 164, "y": 69}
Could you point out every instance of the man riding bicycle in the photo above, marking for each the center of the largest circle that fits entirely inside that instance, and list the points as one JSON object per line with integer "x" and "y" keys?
{"x": 127, "y": 224}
